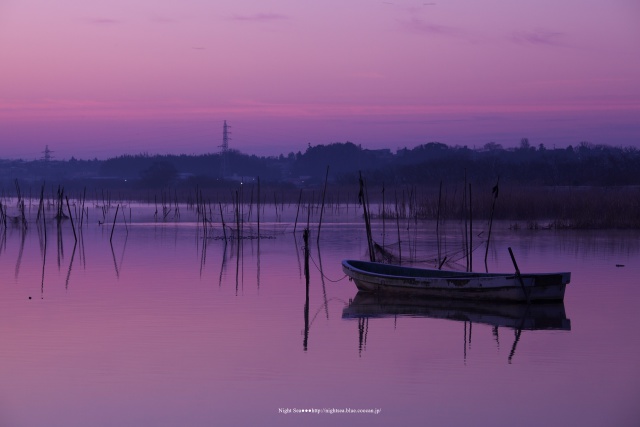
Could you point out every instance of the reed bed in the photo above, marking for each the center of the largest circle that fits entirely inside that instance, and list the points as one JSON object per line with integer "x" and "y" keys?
{"x": 526, "y": 207}
{"x": 534, "y": 207}
{"x": 571, "y": 207}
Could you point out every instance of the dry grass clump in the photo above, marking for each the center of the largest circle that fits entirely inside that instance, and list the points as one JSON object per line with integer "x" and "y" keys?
{"x": 544, "y": 207}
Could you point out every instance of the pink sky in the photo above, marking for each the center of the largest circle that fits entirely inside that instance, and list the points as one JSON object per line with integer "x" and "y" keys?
{"x": 99, "y": 79}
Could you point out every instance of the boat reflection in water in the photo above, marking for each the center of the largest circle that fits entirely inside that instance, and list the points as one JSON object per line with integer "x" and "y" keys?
{"x": 515, "y": 316}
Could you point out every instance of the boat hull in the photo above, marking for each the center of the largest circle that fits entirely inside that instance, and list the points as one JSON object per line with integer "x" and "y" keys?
{"x": 393, "y": 279}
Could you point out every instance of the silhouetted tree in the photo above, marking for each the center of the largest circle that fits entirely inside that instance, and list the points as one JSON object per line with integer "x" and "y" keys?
{"x": 159, "y": 174}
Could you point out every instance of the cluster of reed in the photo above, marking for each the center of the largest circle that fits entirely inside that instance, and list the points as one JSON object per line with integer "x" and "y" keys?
{"x": 573, "y": 207}
{"x": 527, "y": 207}
{"x": 536, "y": 207}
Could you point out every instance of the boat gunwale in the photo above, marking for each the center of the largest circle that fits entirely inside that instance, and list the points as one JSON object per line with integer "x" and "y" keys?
{"x": 439, "y": 274}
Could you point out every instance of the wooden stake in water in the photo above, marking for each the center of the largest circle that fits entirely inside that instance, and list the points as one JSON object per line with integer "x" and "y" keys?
{"x": 224, "y": 227}
{"x": 470, "y": 231}
{"x": 362, "y": 197}
{"x": 438, "y": 227}
{"x": 84, "y": 196}
{"x": 237, "y": 216}
{"x": 383, "y": 217}
{"x": 44, "y": 227}
{"x": 258, "y": 208}
{"x": 398, "y": 227}
{"x": 295, "y": 225}
{"x": 324, "y": 192}
{"x": 464, "y": 216}
{"x": 515, "y": 265}
{"x": 113, "y": 227}
{"x": 305, "y": 237}
{"x": 41, "y": 204}
{"x": 494, "y": 190}
{"x": 71, "y": 218}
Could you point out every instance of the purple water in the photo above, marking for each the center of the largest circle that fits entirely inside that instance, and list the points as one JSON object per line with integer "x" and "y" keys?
{"x": 151, "y": 331}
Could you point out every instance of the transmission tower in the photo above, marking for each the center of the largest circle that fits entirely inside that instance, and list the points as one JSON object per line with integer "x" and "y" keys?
{"x": 225, "y": 148}
{"x": 47, "y": 154}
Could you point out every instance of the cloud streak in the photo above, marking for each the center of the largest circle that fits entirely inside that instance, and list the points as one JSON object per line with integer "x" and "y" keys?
{"x": 260, "y": 17}
{"x": 419, "y": 26}
{"x": 104, "y": 21}
{"x": 71, "y": 109}
{"x": 539, "y": 38}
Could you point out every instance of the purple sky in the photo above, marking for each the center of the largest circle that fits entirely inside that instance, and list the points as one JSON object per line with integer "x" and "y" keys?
{"x": 98, "y": 79}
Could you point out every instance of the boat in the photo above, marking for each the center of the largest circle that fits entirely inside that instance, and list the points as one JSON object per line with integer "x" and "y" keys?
{"x": 512, "y": 315}
{"x": 396, "y": 279}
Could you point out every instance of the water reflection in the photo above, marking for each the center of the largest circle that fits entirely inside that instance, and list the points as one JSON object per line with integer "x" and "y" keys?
{"x": 23, "y": 235}
{"x": 224, "y": 261}
{"x": 166, "y": 331}
{"x": 517, "y": 317}
{"x": 73, "y": 255}
{"x": 322, "y": 277}
{"x": 514, "y": 316}
{"x": 305, "y": 237}
{"x": 118, "y": 265}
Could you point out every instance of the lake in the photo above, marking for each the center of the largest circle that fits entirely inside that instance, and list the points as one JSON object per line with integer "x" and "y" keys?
{"x": 159, "y": 326}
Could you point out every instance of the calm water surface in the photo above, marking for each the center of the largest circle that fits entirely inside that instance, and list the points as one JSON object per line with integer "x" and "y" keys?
{"x": 163, "y": 328}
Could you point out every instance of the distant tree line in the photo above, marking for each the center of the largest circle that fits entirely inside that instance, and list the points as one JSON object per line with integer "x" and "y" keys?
{"x": 584, "y": 165}
{"x": 427, "y": 164}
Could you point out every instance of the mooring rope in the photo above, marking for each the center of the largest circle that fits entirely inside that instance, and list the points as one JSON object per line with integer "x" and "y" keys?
{"x": 322, "y": 273}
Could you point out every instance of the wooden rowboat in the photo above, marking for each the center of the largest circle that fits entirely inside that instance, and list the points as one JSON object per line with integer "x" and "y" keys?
{"x": 394, "y": 279}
